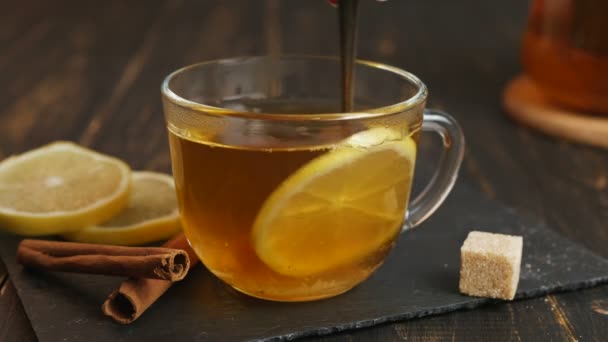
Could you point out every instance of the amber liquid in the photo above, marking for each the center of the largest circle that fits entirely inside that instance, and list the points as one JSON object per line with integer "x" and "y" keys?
{"x": 565, "y": 51}
{"x": 221, "y": 189}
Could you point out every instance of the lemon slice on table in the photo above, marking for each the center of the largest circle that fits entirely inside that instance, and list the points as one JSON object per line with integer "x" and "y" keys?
{"x": 60, "y": 187}
{"x": 151, "y": 215}
{"x": 339, "y": 208}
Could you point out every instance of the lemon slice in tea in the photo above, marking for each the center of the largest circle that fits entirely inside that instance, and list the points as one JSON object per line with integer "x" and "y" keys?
{"x": 339, "y": 208}
{"x": 60, "y": 187}
{"x": 151, "y": 215}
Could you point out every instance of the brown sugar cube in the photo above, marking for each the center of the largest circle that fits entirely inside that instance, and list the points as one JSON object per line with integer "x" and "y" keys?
{"x": 489, "y": 265}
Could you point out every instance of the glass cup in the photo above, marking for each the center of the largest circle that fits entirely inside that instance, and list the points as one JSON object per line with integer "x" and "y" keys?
{"x": 282, "y": 196}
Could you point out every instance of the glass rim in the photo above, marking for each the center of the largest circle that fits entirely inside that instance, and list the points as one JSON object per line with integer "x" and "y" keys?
{"x": 377, "y": 112}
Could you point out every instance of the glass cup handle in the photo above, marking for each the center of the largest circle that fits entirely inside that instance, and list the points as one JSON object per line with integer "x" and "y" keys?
{"x": 443, "y": 180}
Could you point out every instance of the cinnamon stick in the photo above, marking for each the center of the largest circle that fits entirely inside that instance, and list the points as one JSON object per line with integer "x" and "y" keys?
{"x": 139, "y": 262}
{"x": 135, "y": 295}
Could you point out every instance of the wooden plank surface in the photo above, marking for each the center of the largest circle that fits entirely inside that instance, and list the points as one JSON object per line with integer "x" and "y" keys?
{"x": 90, "y": 72}
{"x": 14, "y": 325}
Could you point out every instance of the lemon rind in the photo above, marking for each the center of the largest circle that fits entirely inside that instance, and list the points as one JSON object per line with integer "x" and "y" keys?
{"x": 144, "y": 232}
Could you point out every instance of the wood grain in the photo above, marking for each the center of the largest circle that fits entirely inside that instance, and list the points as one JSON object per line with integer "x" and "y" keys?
{"x": 90, "y": 72}
{"x": 14, "y": 325}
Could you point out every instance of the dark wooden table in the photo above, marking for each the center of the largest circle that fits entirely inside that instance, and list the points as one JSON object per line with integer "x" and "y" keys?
{"x": 90, "y": 72}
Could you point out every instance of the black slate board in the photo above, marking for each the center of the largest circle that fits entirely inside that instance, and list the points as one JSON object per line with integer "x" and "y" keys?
{"x": 419, "y": 278}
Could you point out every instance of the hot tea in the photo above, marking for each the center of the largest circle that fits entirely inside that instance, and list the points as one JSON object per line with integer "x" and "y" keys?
{"x": 565, "y": 52}
{"x": 291, "y": 223}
